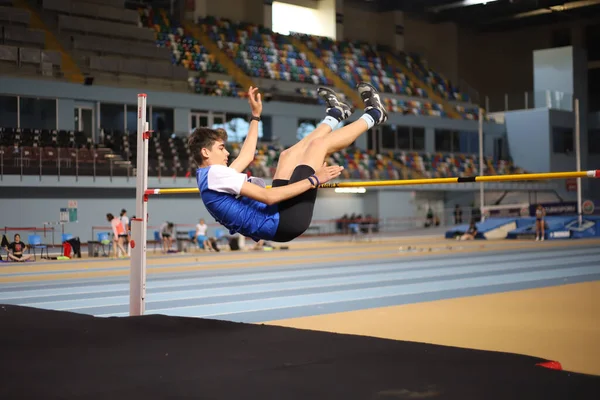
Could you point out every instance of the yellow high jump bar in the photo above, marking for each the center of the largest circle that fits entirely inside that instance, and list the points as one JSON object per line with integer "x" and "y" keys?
{"x": 429, "y": 181}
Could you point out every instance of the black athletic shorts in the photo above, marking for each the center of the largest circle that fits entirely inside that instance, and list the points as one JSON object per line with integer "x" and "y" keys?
{"x": 295, "y": 214}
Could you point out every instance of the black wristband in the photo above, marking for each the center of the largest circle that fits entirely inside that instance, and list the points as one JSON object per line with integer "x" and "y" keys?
{"x": 253, "y": 118}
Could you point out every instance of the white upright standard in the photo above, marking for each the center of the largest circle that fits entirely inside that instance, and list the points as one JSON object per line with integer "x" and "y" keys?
{"x": 481, "y": 194}
{"x": 139, "y": 224}
{"x": 578, "y": 161}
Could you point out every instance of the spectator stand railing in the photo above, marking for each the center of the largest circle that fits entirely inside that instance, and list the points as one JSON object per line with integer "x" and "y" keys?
{"x": 63, "y": 161}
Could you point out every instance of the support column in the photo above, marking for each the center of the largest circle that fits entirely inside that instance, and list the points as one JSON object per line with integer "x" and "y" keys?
{"x": 339, "y": 19}
{"x": 195, "y": 9}
{"x": 430, "y": 140}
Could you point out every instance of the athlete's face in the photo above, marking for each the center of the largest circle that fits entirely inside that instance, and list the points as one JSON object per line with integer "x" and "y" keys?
{"x": 217, "y": 154}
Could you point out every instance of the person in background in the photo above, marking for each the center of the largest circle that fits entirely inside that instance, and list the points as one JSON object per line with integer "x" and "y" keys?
{"x": 457, "y": 215}
{"x": 201, "y": 238}
{"x": 127, "y": 226}
{"x": 119, "y": 235}
{"x": 429, "y": 218}
{"x": 540, "y": 214}
{"x": 17, "y": 248}
{"x": 470, "y": 233}
{"x": 166, "y": 233}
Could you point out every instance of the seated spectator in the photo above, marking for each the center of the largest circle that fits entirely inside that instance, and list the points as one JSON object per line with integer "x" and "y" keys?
{"x": 17, "y": 247}
{"x": 201, "y": 237}
{"x": 470, "y": 233}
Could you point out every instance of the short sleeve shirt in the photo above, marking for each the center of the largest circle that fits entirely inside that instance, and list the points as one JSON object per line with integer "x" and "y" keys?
{"x": 220, "y": 188}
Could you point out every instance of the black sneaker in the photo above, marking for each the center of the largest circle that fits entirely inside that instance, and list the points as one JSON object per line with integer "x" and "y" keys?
{"x": 370, "y": 97}
{"x": 333, "y": 101}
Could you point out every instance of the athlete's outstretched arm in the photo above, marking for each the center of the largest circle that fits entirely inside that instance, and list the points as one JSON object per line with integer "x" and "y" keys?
{"x": 249, "y": 147}
{"x": 281, "y": 193}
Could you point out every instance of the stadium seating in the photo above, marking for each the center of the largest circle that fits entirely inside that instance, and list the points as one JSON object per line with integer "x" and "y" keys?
{"x": 105, "y": 38}
{"x": 170, "y": 156}
{"x": 436, "y": 81}
{"x": 190, "y": 53}
{"x": 22, "y": 48}
{"x": 184, "y": 50}
{"x": 357, "y": 62}
{"x": 438, "y": 165}
{"x": 261, "y": 53}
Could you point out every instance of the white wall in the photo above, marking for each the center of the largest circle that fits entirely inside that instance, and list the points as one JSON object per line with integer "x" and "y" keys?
{"x": 92, "y": 212}
{"x": 326, "y": 18}
{"x": 29, "y": 212}
{"x": 316, "y": 18}
{"x": 396, "y": 204}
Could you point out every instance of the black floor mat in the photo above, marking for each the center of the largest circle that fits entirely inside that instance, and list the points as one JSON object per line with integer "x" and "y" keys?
{"x": 49, "y": 354}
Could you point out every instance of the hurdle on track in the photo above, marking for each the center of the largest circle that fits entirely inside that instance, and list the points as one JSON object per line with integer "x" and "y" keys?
{"x": 137, "y": 292}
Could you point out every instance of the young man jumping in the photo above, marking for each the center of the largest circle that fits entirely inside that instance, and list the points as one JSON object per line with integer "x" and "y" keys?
{"x": 284, "y": 211}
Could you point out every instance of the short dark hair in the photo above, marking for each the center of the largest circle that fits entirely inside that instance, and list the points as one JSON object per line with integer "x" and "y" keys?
{"x": 204, "y": 138}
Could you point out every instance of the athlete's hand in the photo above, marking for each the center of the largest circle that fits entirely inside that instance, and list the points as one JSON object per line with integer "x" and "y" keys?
{"x": 255, "y": 101}
{"x": 327, "y": 173}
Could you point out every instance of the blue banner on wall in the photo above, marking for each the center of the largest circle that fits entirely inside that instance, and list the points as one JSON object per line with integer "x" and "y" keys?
{"x": 569, "y": 208}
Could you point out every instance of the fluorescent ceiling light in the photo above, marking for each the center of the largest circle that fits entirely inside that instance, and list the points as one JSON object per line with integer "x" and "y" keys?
{"x": 463, "y": 3}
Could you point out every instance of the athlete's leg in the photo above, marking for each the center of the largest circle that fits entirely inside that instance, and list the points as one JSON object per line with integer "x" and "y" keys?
{"x": 337, "y": 111}
{"x": 295, "y": 214}
{"x": 375, "y": 114}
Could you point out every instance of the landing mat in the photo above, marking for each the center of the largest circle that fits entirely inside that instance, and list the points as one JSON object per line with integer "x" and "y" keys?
{"x": 50, "y": 355}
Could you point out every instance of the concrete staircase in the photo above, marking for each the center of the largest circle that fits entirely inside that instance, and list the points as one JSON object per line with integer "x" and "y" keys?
{"x": 236, "y": 73}
{"x": 450, "y": 111}
{"x": 69, "y": 68}
{"x": 339, "y": 83}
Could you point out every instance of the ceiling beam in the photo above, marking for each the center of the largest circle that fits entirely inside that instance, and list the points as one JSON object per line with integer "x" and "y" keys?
{"x": 547, "y": 10}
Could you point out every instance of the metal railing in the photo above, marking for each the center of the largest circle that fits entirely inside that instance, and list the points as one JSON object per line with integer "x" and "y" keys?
{"x": 62, "y": 161}
{"x": 529, "y": 100}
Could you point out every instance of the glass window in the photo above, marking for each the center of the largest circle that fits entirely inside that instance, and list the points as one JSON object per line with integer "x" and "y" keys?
{"x": 132, "y": 118}
{"x": 38, "y": 113}
{"x": 112, "y": 116}
{"x": 443, "y": 140}
{"x": 162, "y": 119}
{"x": 305, "y": 127}
{"x": 562, "y": 140}
{"x": 594, "y": 142}
{"x": 418, "y": 139}
{"x": 8, "y": 111}
{"x": 403, "y": 137}
{"x": 455, "y": 138}
{"x": 388, "y": 136}
{"x": 237, "y": 126}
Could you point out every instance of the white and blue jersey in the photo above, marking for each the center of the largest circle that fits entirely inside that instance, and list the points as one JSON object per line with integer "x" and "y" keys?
{"x": 220, "y": 188}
